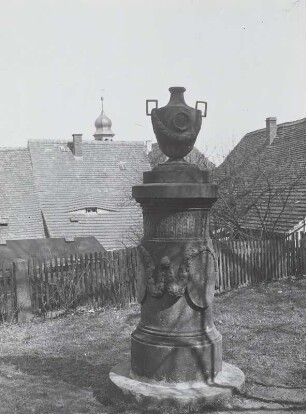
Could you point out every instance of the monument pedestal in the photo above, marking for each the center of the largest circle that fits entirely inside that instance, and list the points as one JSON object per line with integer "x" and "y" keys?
{"x": 176, "y": 350}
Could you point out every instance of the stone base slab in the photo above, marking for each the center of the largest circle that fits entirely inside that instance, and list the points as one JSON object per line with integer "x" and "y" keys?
{"x": 190, "y": 395}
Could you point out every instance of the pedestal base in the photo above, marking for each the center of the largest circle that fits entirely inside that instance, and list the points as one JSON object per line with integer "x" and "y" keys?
{"x": 154, "y": 394}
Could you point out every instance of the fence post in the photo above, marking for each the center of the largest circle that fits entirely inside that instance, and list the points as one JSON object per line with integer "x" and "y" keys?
{"x": 23, "y": 292}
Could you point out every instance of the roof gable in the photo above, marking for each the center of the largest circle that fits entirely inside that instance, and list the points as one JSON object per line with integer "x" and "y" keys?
{"x": 103, "y": 177}
{"x": 264, "y": 185}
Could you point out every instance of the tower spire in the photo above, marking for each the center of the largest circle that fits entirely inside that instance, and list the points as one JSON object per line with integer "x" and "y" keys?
{"x": 103, "y": 126}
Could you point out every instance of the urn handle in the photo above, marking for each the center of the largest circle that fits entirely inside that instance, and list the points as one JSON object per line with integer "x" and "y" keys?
{"x": 148, "y": 101}
{"x": 204, "y": 114}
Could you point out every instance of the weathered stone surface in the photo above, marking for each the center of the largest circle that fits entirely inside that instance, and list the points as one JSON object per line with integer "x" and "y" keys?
{"x": 174, "y": 172}
{"x": 176, "y": 224}
{"x": 189, "y": 395}
{"x": 203, "y": 193}
{"x": 175, "y": 267}
{"x": 176, "y": 340}
{"x": 176, "y": 125}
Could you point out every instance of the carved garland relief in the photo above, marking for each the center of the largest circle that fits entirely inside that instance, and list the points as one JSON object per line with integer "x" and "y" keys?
{"x": 196, "y": 273}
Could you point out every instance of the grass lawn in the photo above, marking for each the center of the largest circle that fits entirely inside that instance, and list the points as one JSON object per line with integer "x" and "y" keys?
{"x": 62, "y": 365}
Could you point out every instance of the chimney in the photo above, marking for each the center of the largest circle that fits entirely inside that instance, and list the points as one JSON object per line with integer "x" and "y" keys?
{"x": 77, "y": 145}
{"x": 148, "y": 146}
{"x": 271, "y": 129}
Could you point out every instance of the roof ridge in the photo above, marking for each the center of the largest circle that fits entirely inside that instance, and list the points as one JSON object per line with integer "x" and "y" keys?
{"x": 13, "y": 149}
{"x": 95, "y": 142}
{"x": 298, "y": 121}
{"x": 284, "y": 124}
{"x": 49, "y": 141}
{"x": 112, "y": 142}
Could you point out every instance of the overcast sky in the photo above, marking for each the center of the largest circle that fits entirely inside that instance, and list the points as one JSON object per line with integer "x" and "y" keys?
{"x": 246, "y": 58}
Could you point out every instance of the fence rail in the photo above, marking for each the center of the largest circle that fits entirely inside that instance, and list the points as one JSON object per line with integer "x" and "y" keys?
{"x": 109, "y": 278}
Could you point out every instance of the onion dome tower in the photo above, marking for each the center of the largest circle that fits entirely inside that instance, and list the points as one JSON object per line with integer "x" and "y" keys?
{"x": 103, "y": 127}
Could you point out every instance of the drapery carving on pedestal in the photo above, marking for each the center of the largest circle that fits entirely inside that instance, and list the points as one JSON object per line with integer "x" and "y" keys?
{"x": 195, "y": 270}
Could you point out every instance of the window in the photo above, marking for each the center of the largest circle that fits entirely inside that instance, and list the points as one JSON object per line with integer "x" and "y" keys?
{"x": 76, "y": 215}
{"x": 3, "y": 230}
{"x": 90, "y": 210}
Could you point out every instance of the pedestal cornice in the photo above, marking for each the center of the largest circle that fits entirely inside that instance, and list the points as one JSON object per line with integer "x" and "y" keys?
{"x": 180, "y": 191}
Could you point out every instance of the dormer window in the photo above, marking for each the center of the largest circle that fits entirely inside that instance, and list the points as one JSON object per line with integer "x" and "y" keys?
{"x": 4, "y": 221}
{"x": 3, "y": 230}
{"x": 76, "y": 215}
{"x": 91, "y": 210}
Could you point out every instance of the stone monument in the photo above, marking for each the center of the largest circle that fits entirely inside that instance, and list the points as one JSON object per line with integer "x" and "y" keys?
{"x": 176, "y": 350}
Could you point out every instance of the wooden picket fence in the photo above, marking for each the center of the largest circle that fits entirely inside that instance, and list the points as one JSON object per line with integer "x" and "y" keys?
{"x": 98, "y": 279}
{"x": 251, "y": 262}
{"x": 8, "y": 297}
{"x": 296, "y": 255}
{"x": 109, "y": 278}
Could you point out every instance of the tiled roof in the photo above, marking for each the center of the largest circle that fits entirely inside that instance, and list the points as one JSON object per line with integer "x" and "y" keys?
{"x": 194, "y": 157}
{"x": 20, "y": 215}
{"x": 101, "y": 178}
{"x": 264, "y": 183}
{"x": 47, "y": 249}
